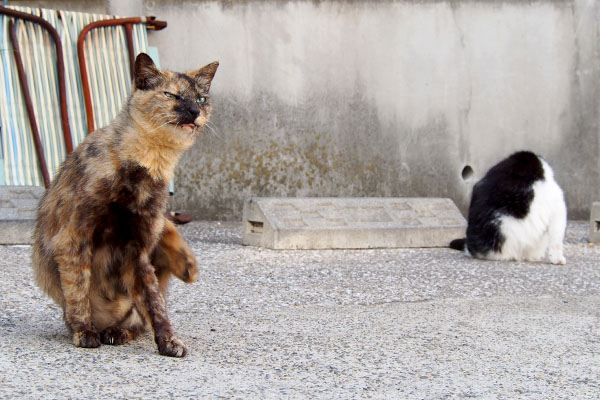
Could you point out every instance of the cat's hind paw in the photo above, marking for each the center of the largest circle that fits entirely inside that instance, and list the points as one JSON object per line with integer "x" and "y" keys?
{"x": 115, "y": 336}
{"x": 557, "y": 258}
{"x": 559, "y": 261}
{"x": 171, "y": 347}
{"x": 87, "y": 339}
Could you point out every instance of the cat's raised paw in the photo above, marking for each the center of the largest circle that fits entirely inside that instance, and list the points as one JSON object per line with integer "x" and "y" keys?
{"x": 87, "y": 339}
{"x": 171, "y": 347}
{"x": 115, "y": 336}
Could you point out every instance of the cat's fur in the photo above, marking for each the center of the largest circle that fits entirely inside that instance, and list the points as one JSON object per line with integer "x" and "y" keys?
{"x": 98, "y": 225}
{"x": 517, "y": 212}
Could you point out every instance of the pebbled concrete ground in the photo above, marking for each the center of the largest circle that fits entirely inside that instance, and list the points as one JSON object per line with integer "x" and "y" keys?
{"x": 394, "y": 323}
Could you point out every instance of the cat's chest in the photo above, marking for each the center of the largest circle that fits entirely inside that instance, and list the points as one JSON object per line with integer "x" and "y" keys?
{"x": 138, "y": 191}
{"x": 132, "y": 212}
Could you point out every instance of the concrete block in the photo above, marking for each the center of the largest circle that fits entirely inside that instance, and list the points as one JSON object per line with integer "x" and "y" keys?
{"x": 351, "y": 223}
{"x": 595, "y": 222}
{"x": 21, "y": 192}
{"x": 17, "y": 231}
{"x": 18, "y": 207}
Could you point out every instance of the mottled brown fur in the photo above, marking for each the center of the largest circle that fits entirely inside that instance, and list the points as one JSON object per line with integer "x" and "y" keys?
{"x": 104, "y": 250}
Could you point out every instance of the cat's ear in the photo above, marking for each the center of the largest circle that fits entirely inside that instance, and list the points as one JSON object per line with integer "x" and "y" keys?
{"x": 204, "y": 75}
{"x": 146, "y": 75}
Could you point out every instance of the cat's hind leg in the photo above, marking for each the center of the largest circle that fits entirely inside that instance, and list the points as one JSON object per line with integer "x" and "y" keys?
{"x": 75, "y": 282}
{"x": 536, "y": 251}
{"x": 174, "y": 255}
{"x": 556, "y": 235}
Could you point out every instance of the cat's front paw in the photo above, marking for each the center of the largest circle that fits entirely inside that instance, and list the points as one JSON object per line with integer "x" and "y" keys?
{"x": 87, "y": 339}
{"x": 115, "y": 336}
{"x": 172, "y": 347}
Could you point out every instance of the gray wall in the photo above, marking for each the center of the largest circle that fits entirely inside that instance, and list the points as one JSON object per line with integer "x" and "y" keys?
{"x": 381, "y": 98}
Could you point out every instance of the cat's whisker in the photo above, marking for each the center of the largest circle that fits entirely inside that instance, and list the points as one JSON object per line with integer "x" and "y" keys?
{"x": 158, "y": 117}
{"x": 214, "y": 131}
{"x": 160, "y": 114}
{"x": 212, "y": 124}
{"x": 160, "y": 126}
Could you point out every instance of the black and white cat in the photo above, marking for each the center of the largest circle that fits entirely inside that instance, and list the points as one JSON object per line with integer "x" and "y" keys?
{"x": 517, "y": 212}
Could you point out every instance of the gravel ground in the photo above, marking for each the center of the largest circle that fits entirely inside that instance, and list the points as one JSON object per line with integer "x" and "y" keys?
{"x": 393, "y": 323}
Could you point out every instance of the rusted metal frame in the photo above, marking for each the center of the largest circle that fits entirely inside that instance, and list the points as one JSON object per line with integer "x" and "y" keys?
{"x": 60, "y": 69}
{"x": 29, "y": 105}
{"x": 129, "y": 32}
{"x": 151, "y": 22}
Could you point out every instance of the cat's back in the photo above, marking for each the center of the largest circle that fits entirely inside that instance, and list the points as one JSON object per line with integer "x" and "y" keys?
{"x": 85, "y": 165}
{"x": 507, "y": 188}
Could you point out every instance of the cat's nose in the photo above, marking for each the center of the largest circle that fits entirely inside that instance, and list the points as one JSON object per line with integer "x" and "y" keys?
{"x": 194, "y": 110}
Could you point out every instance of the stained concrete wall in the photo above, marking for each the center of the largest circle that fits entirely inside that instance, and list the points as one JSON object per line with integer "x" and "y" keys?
{"x": 382, "y": 98}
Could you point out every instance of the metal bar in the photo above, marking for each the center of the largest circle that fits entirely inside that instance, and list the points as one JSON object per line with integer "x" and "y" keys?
{"x": 129, "y": 32}
{"x": 29, "y": 105}
{"x": 151, "y": 22}
{"x": 60, "y": 69}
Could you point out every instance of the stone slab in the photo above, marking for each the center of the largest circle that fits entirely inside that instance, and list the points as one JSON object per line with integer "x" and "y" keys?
{"x": 351, "y": 223}
{"x": 595, "y": 222}
{"x": 18, "y": 207}
{"x": 16, "y": 231}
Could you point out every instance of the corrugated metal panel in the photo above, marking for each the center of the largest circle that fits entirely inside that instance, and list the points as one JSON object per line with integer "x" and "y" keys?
{"x": 107, "y": 61}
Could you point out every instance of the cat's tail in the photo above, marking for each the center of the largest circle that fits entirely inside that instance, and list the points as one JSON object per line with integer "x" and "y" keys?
{"x": 458, "y": 244}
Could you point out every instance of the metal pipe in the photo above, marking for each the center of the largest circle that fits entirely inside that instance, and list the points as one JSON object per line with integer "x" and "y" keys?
{"x": 151, "y": 22}
{"x": 29, "y": 105}
{"x": 60, "y": 69}
{"x": 129, "y": 32}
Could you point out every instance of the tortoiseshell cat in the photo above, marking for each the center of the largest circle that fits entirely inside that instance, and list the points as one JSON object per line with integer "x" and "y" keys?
{"x": 104, "y": 250}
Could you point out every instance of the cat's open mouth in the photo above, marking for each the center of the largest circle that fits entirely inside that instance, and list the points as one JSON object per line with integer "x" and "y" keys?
{"x": 189, "y": 128}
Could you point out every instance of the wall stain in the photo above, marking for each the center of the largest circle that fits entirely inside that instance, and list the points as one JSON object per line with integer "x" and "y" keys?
{"x": 301, "y": 155}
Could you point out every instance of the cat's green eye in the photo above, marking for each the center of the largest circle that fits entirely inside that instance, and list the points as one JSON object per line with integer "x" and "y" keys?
{"x": 170, "y": 95}
{"x": 201, "y": 100}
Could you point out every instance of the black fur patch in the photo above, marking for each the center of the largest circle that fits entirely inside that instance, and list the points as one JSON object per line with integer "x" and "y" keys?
{"x": 191, "y": 81}
{"x": 187, "y": 112}
{"x": 458, "y": 244}
{"x": 146, "y": 75}
{"x": 125, "y": 223}
{"x": 506, "y": 189}
{"x": 92, "y": 150}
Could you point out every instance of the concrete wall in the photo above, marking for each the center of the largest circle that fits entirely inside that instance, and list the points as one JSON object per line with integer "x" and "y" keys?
{"x": 382, "y": 98}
